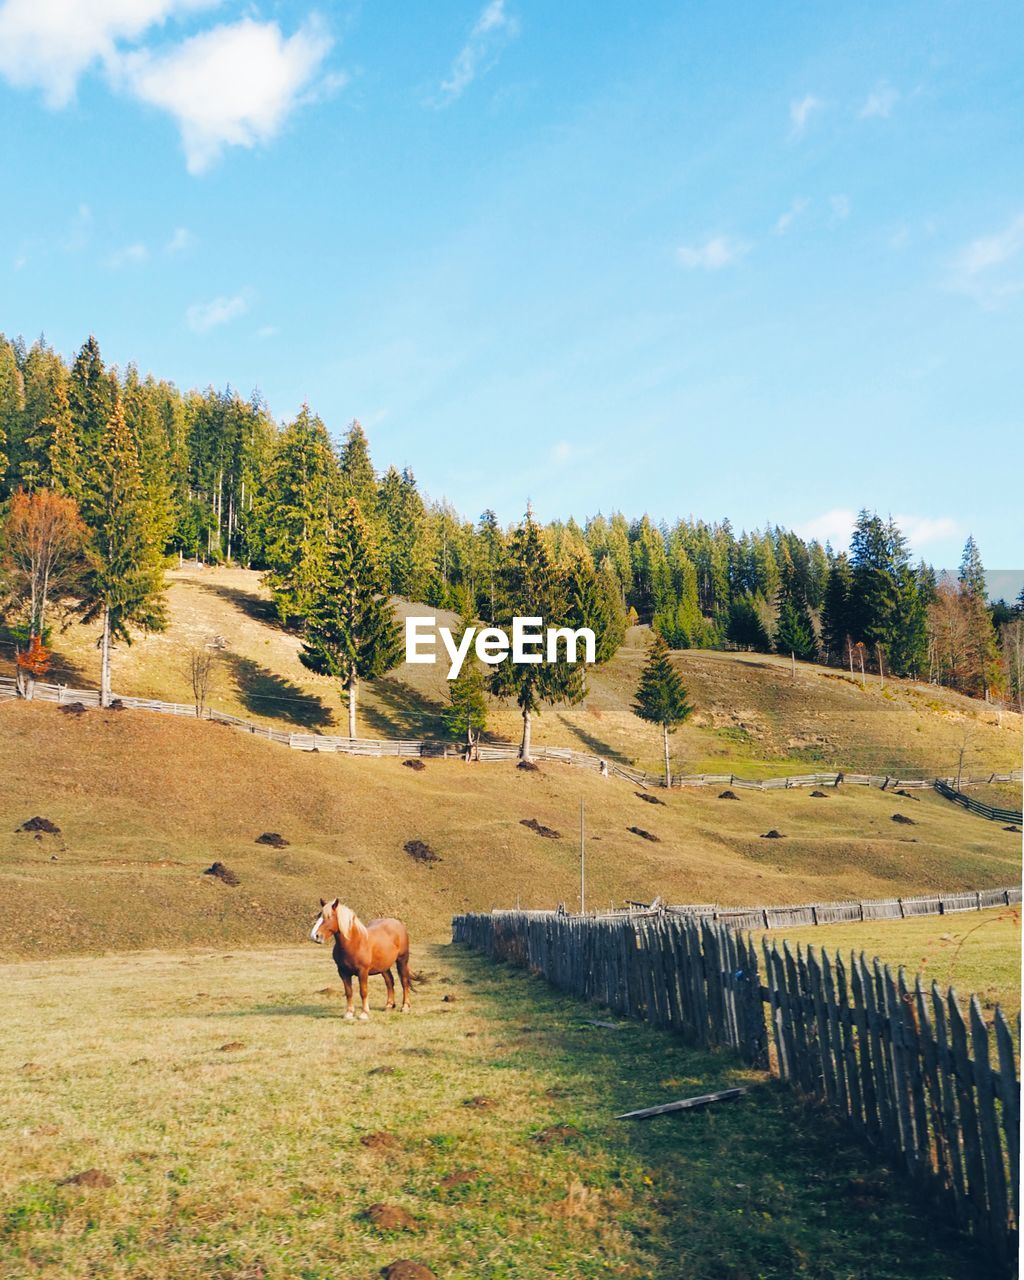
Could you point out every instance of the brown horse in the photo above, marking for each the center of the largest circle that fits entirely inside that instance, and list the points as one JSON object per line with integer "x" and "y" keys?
{"x": 364, "y": 949}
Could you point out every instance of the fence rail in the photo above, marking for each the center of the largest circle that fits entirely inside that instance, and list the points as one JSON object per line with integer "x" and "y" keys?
{"x": 976, "y": 806}
{"x": 937, "y": 1092}
{"x": 300, "y": 741}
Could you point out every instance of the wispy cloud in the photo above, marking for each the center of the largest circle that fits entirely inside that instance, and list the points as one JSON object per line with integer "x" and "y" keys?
{"x": 879, "y": 102}
{"x": 129, "y": 255}
{"x": 800, "y": 112}
{"x": 786, "y": 220}
{"x": 181, "y": 239}
{"x": 990, "y": 269}
{"x": 493, "y": 29}
{"x": 713, "y": 254}
{"x": 204, "y": 316}
{"x": 234, "y": 85}
{"x": 922, "y": 530}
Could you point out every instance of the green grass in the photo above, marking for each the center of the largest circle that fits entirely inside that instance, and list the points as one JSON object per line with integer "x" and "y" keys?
{"x": 977, "y": 952}
{"x": 249, "y": 1163}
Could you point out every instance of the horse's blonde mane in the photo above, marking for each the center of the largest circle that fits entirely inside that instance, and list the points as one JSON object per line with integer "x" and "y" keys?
{"x": 348, "y": 921}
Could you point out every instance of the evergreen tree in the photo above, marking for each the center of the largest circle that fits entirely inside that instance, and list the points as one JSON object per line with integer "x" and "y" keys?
{"x": 91, "y": 394}
{"x": 465, "y": 716}
{"x": 836, "y": 620}
{"x": 124, "y": 575}
{"x": 12, "y": 404}
{"x": 530, "y": 587}
{"x": 794, "y": 634}
{"x": 358, "y": 478}
{"x": 350, "y": 629}
{"x": 492, "y": 544}
{"x": 63, "y": 457}
{"x": 294, "y": 514}
{"x": 972, "y": 571}
{"x": 661, "y": 696}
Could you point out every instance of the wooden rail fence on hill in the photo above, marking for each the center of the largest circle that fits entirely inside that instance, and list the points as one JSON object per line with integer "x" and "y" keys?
{"x": 976, "y": 806}
{"x": 938, "y": 1093}
{"x": 300, "y": 741}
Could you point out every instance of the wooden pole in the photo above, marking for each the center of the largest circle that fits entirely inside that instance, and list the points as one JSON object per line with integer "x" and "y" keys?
{"x": 583, "y": 858}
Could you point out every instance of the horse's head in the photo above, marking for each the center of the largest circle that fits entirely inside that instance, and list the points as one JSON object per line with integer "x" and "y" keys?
{"x": 334, "y": 919}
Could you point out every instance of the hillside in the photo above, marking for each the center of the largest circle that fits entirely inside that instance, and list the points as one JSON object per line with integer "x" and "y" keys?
{"x": 752, "y": 716}
{"x": 145, "y": 803}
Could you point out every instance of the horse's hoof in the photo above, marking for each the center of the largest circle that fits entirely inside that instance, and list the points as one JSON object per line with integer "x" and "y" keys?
{"x": 364, "y": 1017}
{"x": 350, "y": 1016}
{"x": 406, "y": 1009}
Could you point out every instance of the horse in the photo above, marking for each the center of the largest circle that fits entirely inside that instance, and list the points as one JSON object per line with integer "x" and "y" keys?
{"x": 364, "y": 949}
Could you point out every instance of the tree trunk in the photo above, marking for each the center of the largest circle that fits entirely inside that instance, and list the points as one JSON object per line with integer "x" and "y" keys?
{"x": 524, "y": 750}
{"x": 352, "y": 686}
{"x": 105, "y": 661}
{"x": 668, "y": 767}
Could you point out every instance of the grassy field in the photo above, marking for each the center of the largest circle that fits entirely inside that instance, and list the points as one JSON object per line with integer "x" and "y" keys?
{"x": 208, "y": 1114}
{"x": 976, "y": 952}
{"x": 146, "y": 803}
{"x": 751, "y": 716}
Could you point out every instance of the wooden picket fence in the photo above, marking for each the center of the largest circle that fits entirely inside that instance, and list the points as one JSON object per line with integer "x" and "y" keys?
{"x": 937, "y": 1093}
{"x": 489, "y": 752}
{"x": 976, "y": 806}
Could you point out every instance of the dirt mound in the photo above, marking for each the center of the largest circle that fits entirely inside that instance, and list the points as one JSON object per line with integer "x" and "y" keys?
{"x": 773, "y": 835}
{"x": 727, "y": 795}
{"x": 903, "y": 819}
{"x": 479, "y": 1103}
{"x": 40, "y": 824}
{"x": 540, "y": 828}
{"x": 819, "y": 795}
{"x": 1011, "y": 827}
{"x": 642, "y": 795}
{"x": 418, "y": 765}
{"x": 907, "y": 795}
{"x": 379, "y": 1141}
{"x": 73, "y": 708}
{"x": 556, "y": 1133}
{"x": 404, "y": 1269}
{"x": 457, "y": 1179}
{"x": 420, "y": 851}
{"x": 390, "y": 1217}
{"x": 222, "y": 873}
{"x": 232, "y": 1046}
{"x": 274, "y": 839}
{"x": 385, "y": 1070}
{"x": 87, "y": 1178}
{"x": 645, "y": 835}
{"x": 528, "y": 766}
{"x": 332, "y": 993}
{"x": 117, "y": 705}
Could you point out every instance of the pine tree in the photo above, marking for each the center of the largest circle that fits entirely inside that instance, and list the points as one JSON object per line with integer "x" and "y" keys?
{"x": 836, "y": 620}
{"x": 124, "y": 575}
{"x": 530, "y": 587}
{"x": 794, "y": 634}
{"x": 358, "y": 478}
{"x": 465, "y": 716}
{"x": 661, "y": 696}
{"x": 63, "y": 457}
{"x": 972, "y": 571}
{"x": 350, "y": 629}
{"x": 12, "y": 404}
{"x": 92, "y": 395}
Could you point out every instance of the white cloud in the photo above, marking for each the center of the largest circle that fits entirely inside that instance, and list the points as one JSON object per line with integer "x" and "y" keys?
{"x": 990, "y": 269}
{"x": 48, "y": 44}
{"x": 800, "y": 112}
{"x": 181, "y": 240}
{"x": 131, "y": 255}
{"x": 234, "y": 85}
{"x": 203, "y": 316}
{"x": 718, "y": 252}
{"x": 840, "y": 207}
{"x": 879, "y": 102}
{"x": 493, "y": 29}
{"x": 836, "y": 527}
{"x": 786, "y": 220}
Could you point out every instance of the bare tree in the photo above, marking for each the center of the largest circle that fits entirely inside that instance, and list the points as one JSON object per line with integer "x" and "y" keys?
{"x": 1012, "y": 638}
{"x": 201, "y": 669}
{"x": 964, "y": 744}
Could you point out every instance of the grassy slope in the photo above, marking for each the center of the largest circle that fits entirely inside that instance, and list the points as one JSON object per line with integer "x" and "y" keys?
{"x": 976, "y": 952}
{"x": 146, "y": 802}
{"x": 247, "y": 1162}
{"x": 752, "y": 716}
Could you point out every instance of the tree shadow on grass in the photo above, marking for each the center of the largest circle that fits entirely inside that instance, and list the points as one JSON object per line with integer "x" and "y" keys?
{"x": 265, "y": 693}
{"x": 280, "y": 1011}
{"x": 768, "y": 1184}
{"x": 63, "y": 670}
{"x": 251, "y": 604}
{"x": 593, "y": 743}
{"x": 400, "y": 711}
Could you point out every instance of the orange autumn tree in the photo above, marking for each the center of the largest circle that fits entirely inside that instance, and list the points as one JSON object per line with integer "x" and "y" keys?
{"x": 42, "y": 543}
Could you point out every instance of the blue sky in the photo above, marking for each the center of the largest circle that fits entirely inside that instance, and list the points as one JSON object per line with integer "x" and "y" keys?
{"x": 763, "y": 261}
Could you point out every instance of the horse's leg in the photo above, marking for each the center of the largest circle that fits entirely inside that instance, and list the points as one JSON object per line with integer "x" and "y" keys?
{"x": 364, "y": 994}
{"x": 349, "y": 1011}
{"x": 403, "y": 973}
{"x": 389, "y": 982}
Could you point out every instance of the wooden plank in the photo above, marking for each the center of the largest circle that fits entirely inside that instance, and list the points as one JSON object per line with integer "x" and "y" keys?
{"x": 900, "y": 1075}
{"x": 913, "y": 1065}
{"x": 685, "y": 1104}
{"x": 974, "y": 1162}
{"x": 841, "y": 1094}
{"x": 854, "y": 1069}
{"x": 988, "y": 1124}
{"x": 938, "y": 1148}
{"x": 1009, "y": 1089}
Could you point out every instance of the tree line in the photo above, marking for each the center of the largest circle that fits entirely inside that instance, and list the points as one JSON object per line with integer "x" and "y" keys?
{"x": 123, "y": 471}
